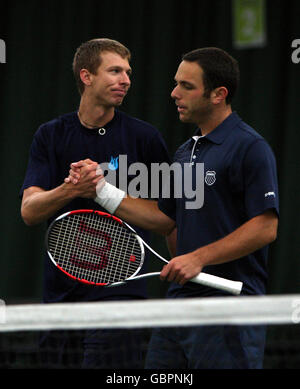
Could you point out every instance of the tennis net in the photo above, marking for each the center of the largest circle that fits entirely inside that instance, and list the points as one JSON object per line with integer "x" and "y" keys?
{"x": 23, "y": 326}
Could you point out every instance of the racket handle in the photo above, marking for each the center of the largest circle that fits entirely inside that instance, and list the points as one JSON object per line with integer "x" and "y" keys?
{"x": 233, "y": 287}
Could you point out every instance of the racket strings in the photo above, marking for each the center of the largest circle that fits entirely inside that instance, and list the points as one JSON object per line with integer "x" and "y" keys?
{"x": 87, "y": 263}
{"x": 95, "y": 249}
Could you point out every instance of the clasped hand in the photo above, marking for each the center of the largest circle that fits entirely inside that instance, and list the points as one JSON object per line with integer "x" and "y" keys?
{"x": 87, "y": 176}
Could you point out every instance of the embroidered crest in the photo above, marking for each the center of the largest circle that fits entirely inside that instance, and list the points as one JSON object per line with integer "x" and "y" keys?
{"x": 210, "y": 177}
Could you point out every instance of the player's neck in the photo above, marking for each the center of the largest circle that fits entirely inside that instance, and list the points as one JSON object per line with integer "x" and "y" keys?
{"x": 215, "y": 119}
{"x": 92, "y": 116}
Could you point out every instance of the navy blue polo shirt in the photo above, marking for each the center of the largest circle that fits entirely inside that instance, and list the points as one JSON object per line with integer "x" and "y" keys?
{"x": 64, "y": 140}
{"x": 240, "y": 182}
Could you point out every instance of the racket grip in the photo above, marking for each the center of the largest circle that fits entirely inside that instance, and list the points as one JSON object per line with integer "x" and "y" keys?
{"x": 233, "y": 287}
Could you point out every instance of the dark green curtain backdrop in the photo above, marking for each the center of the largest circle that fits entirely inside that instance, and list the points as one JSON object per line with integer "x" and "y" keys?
{"x": 36, "y": 85}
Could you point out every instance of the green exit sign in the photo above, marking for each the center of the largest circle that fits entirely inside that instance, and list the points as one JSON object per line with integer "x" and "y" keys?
{"x": 249, "y": 29}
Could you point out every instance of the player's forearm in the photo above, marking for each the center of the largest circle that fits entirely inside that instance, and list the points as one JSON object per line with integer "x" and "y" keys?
{"x": 140, "y": 212}
{"x": 144, "y": 214}
{"x": 39, "y": 205}
{"x": 171, "y": 240}
{"x": 251, "y": 236}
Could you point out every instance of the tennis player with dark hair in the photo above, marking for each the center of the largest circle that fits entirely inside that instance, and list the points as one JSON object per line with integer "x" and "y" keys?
{"x": 229, "y": 235}
{"x": 98, "y": 131}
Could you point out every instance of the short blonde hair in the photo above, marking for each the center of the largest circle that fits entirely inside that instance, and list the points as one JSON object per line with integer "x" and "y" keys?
{"x": 88, "y": 56}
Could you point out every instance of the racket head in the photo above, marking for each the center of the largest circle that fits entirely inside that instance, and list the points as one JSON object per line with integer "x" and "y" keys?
{"x": 94, "y": 247}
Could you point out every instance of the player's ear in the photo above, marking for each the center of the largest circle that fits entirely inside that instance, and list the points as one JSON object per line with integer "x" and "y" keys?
{"x": 85, "y": 77}
{"x": 219, "y": 94}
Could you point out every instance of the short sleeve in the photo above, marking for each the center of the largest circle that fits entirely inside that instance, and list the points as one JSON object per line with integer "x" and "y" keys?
{"x": 156, "y": 156}
{"x": 167, "y": 200}
{"x": 168, "y": 207}
{"x": 156, "y": 149}
{"x": 38, "y": 169}
{"x": 260, "y": 179}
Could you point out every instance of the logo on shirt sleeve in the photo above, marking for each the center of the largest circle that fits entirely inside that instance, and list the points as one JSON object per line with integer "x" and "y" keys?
{"x": 210, "y": 177}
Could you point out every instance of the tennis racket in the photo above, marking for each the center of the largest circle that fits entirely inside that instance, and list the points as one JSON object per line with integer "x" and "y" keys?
{"x": 97, "y": 248}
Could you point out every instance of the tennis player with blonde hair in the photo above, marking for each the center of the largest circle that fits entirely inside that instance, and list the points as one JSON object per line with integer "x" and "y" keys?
{"x": 98, "y": 130}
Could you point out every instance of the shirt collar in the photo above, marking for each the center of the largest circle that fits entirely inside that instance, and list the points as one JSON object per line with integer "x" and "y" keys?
{"x": 223, "y": 130}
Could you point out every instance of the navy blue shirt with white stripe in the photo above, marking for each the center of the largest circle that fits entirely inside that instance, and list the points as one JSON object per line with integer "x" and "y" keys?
{"x": 240, "y": 182}
{"x": 64, "y": 140}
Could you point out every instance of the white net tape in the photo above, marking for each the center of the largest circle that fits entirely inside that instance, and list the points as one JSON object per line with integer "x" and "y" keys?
{"x": 238, "y": 310}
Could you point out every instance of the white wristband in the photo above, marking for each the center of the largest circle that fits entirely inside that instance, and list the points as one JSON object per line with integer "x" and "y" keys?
{"x": 108, "y": 196}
